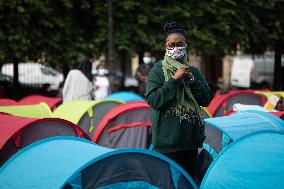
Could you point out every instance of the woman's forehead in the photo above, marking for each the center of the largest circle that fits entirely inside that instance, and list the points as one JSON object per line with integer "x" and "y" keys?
{"x": 175, "y": 38}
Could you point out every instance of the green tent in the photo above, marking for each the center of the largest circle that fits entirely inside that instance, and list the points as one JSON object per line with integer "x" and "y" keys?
{"x": 40, "y": 110}
{"x": 268, "y": 94}
{"x": 86, "y": 114}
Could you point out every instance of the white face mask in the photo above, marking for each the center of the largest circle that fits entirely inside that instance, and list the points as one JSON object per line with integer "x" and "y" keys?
{"x": 176, "y": 53}
{"x": 102, "y": 72}
{"x": 147, "y": 60}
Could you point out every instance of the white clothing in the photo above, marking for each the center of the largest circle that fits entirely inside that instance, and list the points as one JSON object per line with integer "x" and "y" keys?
{"x": 102, "y": 87}
{"x": 77, "y": 86}
{"x": 239, "y": 107}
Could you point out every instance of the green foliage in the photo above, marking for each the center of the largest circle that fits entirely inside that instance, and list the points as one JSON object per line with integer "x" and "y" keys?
{"x": 63, "y": 31}
{"x": 69, "y": 30}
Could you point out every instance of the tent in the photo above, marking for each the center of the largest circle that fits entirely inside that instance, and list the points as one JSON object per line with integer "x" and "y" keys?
{"x": 69, "y": 162}
{"x": 125, "y": 96}
{"x": 269, "y": 93}
{"x": 222, "y": 131}
{"x": 35, "y": 99}
{"x": 32, "y": 100}
{"x": 86, "y": 114}
{"x": 222, "y": 104}
{"x": 40, "y": 110}
{"x": 18, "y": 132}
{"x": 126, "y": 126}
{"x": 7, "y": 102}
{"x": 254, "y": 161}
{"x": 279, "y": 114}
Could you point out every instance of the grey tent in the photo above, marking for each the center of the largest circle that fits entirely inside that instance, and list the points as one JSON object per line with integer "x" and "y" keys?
{"x": 222, "y": 104}
{"x": 126, "y": 126}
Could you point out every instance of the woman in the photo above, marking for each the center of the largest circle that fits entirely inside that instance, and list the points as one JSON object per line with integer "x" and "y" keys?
{"x": 78, "y": 83}
{"x": 175, "y": 91}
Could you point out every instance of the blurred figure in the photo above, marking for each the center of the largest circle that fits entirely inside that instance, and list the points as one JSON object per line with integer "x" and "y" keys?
{"x": 143, "y": 72}
{"x": 78, "y": 84}
{"x": 101, "y": 83}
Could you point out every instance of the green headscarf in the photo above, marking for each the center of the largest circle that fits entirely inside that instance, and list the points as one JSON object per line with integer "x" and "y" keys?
{"x": 185, "y": 106}
{"x": 184, "y": 95}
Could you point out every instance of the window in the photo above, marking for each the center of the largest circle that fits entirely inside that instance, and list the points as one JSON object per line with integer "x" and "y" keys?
{"x": 46, "y": 71}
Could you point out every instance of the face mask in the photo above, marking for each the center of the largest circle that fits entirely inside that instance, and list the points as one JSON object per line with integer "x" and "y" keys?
{"x": 147, "y": 60}
{"x": 176, "y": 53}
{"x": 102, "y": 72}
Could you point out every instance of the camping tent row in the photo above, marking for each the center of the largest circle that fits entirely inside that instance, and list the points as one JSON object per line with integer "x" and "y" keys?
{"x": 18, "y": 132}
{"x": 238, "y": 166}
{"x": 53, "y": 102}
{"x": 80, "y": 163}
{"x": 32, "y": 100}
{"x": 119, "y": 125}
{"x": 78, "y": 112}
{"x": 222, "y": 104}
{"x": 111, "y": 123}
{"x": 222, "y": 131}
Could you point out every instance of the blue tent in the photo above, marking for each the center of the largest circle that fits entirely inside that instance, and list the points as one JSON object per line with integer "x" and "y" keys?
{"x": 125, "y": 97}
{"x": 221, "y": 131}
{"x": 69, "y": 162}
{"x": 254, "y": 161}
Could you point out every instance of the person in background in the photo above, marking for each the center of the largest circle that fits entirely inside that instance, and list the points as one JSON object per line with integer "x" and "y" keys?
{"x": 79, "y": 83}
{"x": 143, "y": 72}
{"x": 175, "y": 91}
{"x": 101, "y": 83}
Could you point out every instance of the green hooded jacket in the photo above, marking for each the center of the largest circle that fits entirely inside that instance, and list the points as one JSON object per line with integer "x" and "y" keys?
{"x": 170, "y": 133}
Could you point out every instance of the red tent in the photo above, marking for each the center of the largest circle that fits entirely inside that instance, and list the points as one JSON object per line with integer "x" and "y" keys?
{"x": 127, "y": 125}
{"x": 8, "y": 102}
{"x": 279, "y": 114}
{"x": 18, "y": 132}
{"x": 221, "y": 104}
{"x": 35, "y": 99}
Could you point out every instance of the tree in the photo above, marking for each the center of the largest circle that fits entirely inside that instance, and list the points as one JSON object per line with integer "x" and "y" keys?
{"x": 64, "y": 32}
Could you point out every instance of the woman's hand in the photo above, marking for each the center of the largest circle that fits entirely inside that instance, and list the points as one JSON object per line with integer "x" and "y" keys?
{"x": 180, "y": 73}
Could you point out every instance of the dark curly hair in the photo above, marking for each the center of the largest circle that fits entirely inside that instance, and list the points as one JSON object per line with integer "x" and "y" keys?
{"x": 173, "y": 27}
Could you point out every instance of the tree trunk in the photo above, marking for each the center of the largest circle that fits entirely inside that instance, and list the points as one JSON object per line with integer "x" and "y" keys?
{"x": 278, "y": 69}
{"x": 16, "y": 79}
{"x": 111, "y": 50}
